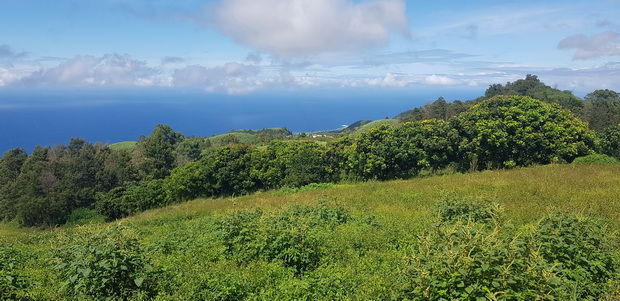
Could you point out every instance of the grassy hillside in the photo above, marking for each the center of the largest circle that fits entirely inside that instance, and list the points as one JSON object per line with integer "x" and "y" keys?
{"x": 363, "y": 241}
{"x": 125, "y": 145}
{"x": 373, "y": 124}
{"x": 251, "y": 136}
{"x": 527, "y": 194}
{"x": 242, "y": 137}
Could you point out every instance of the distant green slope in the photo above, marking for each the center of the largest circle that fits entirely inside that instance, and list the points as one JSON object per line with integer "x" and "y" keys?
{"x": 251, "y": 136}
{"x": 125, "y": 145}
{"x": 373, "y": 124}
{"x": 242, "y": 137}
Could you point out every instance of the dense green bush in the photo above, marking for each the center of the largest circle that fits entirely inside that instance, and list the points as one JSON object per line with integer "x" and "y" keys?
{"x": 561, "y": 258}
{"x": 137, "y": 197}
{"x": 452, "y": 209}
{"x": 12, "y": 281}
{"x": 609, "y": 141}
{"x": 289, "y": 163}
{"x": 595, "y": 158}
{"x": 104, "y": 265}
{"x": 83, "y": 216}
{"x": 580, "y": 252}
{"x": 508, "y": 131}
{"x": 292, "y": 237}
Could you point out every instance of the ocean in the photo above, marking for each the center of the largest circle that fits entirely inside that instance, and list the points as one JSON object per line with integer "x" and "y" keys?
{"x": 49, "y": 118}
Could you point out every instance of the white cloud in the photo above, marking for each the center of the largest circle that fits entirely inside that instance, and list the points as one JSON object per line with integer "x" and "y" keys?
{"x": 233, "y": 78}
{"x": 603, "y": 44}
{"x": 390, "y": 80}
{"x": 301, "y": 27}
{"x": 111, "y": 70}
{"x": 7, "y": 76}
{"x": 440, "y": 80}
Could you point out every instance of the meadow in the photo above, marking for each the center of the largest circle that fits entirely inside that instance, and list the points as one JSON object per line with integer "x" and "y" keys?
{"x": 451, "y": 236}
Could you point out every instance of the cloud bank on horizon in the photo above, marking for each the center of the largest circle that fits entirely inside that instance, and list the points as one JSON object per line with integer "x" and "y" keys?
{"x": 241, "y": 46}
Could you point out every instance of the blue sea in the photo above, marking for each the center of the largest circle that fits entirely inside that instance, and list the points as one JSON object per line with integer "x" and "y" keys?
{"x": 49, "y": 118}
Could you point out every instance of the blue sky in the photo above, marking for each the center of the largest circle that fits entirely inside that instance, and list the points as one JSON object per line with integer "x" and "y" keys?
{"x": 246, "y": 46}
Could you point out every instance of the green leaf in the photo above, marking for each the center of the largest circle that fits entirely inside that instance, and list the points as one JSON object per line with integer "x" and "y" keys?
{"x": 139, "y": 281}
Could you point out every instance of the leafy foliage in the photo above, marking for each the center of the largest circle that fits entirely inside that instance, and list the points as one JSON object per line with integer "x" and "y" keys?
{"x": 508, "y": 131}
{"x": 609, "y": 141}
{"x": 125, "y": 201}
{"x": 289, "y": 163}
{"x": 603, "y": 109}
{"x": 291, "y": 237}
{"x": 595, "y": 158}
{"x": 579, "y": 250}
{"x": 12, "y": 282}
{"x": 563, "y": 258}
{"x": 452, "y": 209}
{"x": 106, "y": 265}
{"x": 532, "y": 86}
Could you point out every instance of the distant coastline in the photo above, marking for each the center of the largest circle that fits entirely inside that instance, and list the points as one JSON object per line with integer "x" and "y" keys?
{"x": 35, "y": 118}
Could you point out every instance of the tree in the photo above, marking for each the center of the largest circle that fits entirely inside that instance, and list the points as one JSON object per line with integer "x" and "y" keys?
{"x": 532, "y": 86}
{"x": 191, "y": 150}
{"x": 158, "y": 152}
{"x": 289, "y": 163}
{"x": 507, "y": 131}
{"x": 225, "y": 171}
{"x": 609, "y": 141}
{"x": 11, "y": 164}
{"x": 603, "y": 109}
{"x": 10, "y": 168}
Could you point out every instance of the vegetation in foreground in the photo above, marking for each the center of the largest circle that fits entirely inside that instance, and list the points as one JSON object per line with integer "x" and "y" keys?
{"x": 540, "y": 233}
{"x": 544, "y": 233}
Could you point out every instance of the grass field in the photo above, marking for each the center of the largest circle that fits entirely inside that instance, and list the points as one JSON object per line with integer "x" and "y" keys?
{"x": 371, "y": 125}
{"x": 246, "y": 138}
{"x": 363, "y": 257}
{"x": 526, "y": 194}
{"x": 125, "y": 145}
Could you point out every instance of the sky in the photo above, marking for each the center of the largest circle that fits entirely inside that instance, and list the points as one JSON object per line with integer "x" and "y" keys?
{"x": 251, "y": 46}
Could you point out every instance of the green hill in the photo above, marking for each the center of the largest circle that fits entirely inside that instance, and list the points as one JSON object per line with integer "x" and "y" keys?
{"x": 373, "y": 124}
{"x": 248, "y": 136}
{"x": 374, "y": 240}
{"x": 125, "y": 145}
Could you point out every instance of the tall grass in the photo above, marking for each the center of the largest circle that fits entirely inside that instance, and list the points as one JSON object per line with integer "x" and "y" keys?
{"x": 362, "y": 255}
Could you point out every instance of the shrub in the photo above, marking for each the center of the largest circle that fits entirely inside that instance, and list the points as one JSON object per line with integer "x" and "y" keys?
{"x": 467, "y": 260}
{"x": 609, "y": 141}
{"x": 595, "y": 159}
{"x": 451, "y": 210}
{"x": 12, "y": 282}
{"x": 561, "y": 258}
{"x": 106, "y": 265}
{"x": 82, "y": 216}
{"x": 291, "y": 237}
{"x": 121, "y": 202}
{"x": 580, "y": 252}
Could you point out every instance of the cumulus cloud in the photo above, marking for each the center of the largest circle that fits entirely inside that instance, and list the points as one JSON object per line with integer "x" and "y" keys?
{"x": 440, "y": 80}
{"x": 110, "y": 70}
{"x": 603, "y": 44}
{"x": 233, "y": 78}
{"x": 390, "y": 80}
{"x": 300, "y": 27}
{"x": 7, "y": 76}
